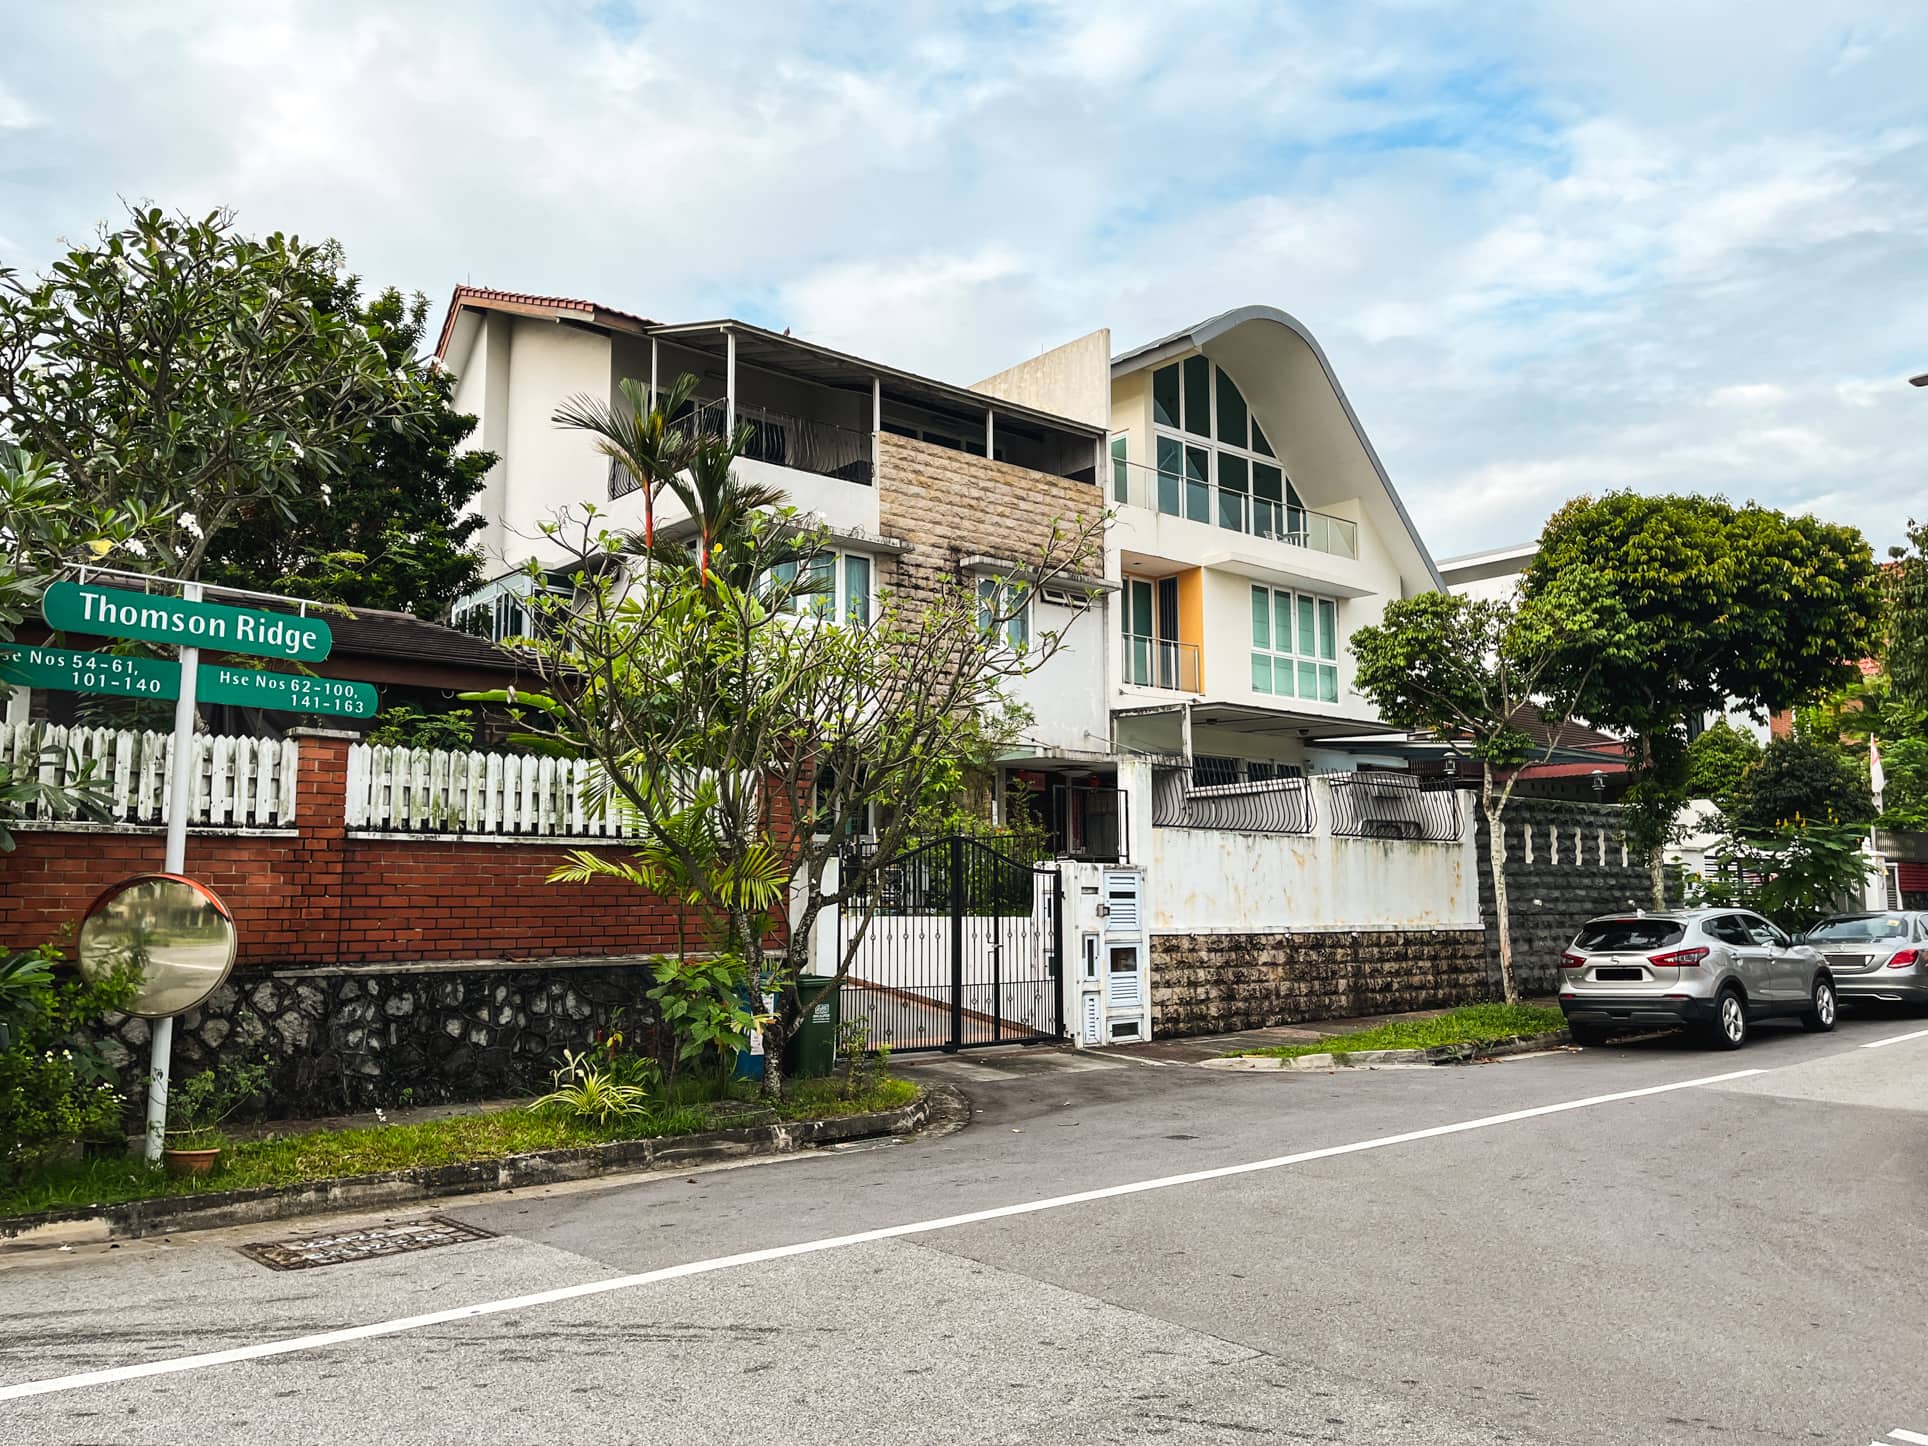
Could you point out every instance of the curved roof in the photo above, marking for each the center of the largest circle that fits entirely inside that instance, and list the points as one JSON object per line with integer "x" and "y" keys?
{"x": 1199, "y": 337}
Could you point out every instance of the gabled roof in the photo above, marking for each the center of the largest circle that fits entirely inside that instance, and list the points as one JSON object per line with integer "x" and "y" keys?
{"x": 523, "y": 303}
{"x": 1200, "y": 337}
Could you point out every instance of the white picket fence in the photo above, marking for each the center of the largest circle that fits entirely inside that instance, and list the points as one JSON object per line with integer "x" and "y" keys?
{"x": 238, "y": 782}
{"x": 424, "y": 790}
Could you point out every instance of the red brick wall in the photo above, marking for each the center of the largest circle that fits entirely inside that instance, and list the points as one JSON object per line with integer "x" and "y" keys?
{"x": 318, "y": 896}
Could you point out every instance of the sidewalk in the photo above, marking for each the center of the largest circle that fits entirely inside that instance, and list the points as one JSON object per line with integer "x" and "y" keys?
{"x": 1193, "y": 1048}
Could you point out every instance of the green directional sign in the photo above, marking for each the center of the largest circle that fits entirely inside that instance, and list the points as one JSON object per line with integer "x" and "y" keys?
{"x": 285, "y": 692}
{"x": 67, "y": 670}
{"x": 112, "y": 612}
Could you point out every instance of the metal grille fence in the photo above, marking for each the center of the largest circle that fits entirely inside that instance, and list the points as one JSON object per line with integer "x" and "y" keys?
{"x": 1393, "y": 806}
{"x": 1273, "y": 805}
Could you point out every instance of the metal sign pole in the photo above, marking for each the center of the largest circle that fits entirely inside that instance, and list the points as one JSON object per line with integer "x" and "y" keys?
{"x": 180, "y": 794}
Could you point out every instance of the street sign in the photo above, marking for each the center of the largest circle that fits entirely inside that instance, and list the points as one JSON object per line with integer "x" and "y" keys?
{"x": 112, "y": 612}
{"x": 286, "y": 692}
{"x": 68, "y": 670}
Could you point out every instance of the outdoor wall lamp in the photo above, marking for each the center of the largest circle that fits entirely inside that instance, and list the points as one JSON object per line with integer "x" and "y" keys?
{"x": 1599, "y": 782}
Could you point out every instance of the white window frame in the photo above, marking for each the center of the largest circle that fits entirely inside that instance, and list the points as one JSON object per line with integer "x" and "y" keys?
{"x": 831, "y": 607}
{"x": 1291, "y": 505}
{"x": 1019, "y": 598}
{"x": 1325, "y": 664}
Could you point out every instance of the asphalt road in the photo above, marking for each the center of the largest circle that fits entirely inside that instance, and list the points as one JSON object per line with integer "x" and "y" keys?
{"x": 1460, "y": 1260}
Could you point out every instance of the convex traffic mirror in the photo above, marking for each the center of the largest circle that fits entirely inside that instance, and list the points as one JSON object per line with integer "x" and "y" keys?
{"x": 175, "y": 931}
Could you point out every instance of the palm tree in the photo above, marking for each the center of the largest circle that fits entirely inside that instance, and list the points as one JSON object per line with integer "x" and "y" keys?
{"x": 641, "y": 439}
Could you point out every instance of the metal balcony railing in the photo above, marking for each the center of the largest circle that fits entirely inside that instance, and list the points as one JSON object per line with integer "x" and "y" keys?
{"x": 1158, "y": 663}
{"x": 1274, "y": 805}
{"x": 804, "y": 443}
{"x": 1180, "y": 495}
{"x": 1393, "y": 806}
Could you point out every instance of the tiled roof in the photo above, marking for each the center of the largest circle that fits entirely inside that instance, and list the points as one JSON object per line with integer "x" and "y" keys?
{"x": 373, "y": 632}
{"x": 483, "y": 296}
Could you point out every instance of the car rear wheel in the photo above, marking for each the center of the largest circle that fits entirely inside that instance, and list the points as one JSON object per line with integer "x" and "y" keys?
{"x": 1730, "y": 1021}
{"x": 1587, "y": 1034}
{"x": 1820, "y": 1016}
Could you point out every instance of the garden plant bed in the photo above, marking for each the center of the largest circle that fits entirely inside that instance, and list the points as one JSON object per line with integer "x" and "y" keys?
{"x": 304, "y": 1173}
{"x": 1476, "y": 1031}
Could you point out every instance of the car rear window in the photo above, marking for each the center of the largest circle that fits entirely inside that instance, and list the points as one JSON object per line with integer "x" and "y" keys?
{"x": 1867, "y": 929}
{"x": 1617, "y": 936}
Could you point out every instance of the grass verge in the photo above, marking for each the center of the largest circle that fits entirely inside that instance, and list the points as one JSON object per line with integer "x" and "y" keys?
{"x": 1474, "y": 1024}
{"x": 299, "y": 1156}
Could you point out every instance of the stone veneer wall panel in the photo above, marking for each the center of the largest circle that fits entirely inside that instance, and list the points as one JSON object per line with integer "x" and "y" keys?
{"x": 1215, "y": 983}
{"x": 949, "y": 505}
{"x": 1572, "y": 872}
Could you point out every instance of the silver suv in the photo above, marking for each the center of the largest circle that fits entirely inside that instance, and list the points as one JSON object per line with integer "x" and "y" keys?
{"x": 1716, "y": 970}
{"x": 1876, "y": 956}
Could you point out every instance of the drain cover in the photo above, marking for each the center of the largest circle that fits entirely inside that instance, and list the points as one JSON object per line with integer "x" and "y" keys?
{"x": 304, "y": 1252}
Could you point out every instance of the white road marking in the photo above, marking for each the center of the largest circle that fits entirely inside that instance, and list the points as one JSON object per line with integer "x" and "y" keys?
{"x": 1912, "y": 1438}
{"x": 262, "y": 1349}
{"x": 1876, "y": 1044}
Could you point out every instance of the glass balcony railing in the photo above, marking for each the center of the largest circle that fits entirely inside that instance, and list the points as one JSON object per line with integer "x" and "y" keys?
{"x": 1183, "y": 494}
{"x": 1156, "y": 663}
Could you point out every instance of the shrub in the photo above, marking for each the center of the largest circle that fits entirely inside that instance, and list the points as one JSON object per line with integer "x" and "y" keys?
{"x": 200, "y": 1104}
{"x": 586, "y": 1091}
{"x": 55, "y": 1092}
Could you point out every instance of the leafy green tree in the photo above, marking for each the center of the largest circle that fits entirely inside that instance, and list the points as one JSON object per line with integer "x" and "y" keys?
{"x": 1718, "y": 758}
{"x": 389, "y": 528}
{"x": 44, "y": 528}
{"x": 1801, "y": 778}
{"x": 1722, "y": 604}
{"x": 1905, "y": 656}
{"x": 177, "y": 367}
{"x": 1469, "y": 672}
{"x": 1873, "y": 714}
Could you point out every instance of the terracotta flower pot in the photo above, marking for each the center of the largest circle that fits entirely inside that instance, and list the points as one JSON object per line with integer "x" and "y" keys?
{"x": 190, "y": 1162}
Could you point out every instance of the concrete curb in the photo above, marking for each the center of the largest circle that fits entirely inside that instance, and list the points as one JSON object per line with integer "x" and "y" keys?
{"x": 175, "y": 1213}
{"x": 1392, "y": 1058}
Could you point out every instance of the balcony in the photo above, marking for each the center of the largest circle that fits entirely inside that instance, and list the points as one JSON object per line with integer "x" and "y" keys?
{"x": 1158, "y": 663}
{"x": 1199, "y": 499}
{"x": 802, "y": 443}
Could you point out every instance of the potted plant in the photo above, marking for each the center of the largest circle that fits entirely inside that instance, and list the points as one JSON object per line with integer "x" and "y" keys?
{"x": 198, "y": 1106}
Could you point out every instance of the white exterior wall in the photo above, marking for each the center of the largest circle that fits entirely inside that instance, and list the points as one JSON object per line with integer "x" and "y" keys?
{"x": 1073, "y": 380}
{"x": 1066, "y": 695}
{"x": 1221, "y": 881}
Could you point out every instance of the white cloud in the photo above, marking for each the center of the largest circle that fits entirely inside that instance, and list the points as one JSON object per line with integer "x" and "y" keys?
{"x": 1562, "y": 248}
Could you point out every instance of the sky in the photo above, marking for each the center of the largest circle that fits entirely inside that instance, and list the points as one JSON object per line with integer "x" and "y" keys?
{"x": 1549, "y": 248}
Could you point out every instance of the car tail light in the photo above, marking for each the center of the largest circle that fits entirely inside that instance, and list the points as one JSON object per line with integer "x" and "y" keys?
{"x": 1573, "y": 961}
{"x": 1903, "y": 958}
{"x": 1679, "y": 959}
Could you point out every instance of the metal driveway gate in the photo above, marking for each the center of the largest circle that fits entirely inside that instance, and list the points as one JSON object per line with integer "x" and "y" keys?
{"x": 959, "y": 947}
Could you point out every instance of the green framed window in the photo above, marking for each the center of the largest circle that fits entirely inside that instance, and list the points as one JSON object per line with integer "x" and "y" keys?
{"x": 1171, "y": 474}
{"x": 1295, "y": 645}
{"x": 1198, "y": 483}
{"x": 1231, "y": 412}
{"x": 1233, "y": 485}
{"x": 1198, "y": 396}
{"x": 1120, "y": 470}
{"x": 1164, "y": 396}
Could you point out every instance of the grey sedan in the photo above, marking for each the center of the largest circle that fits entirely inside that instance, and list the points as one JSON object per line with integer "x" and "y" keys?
{"x": 1876, "y": 956}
